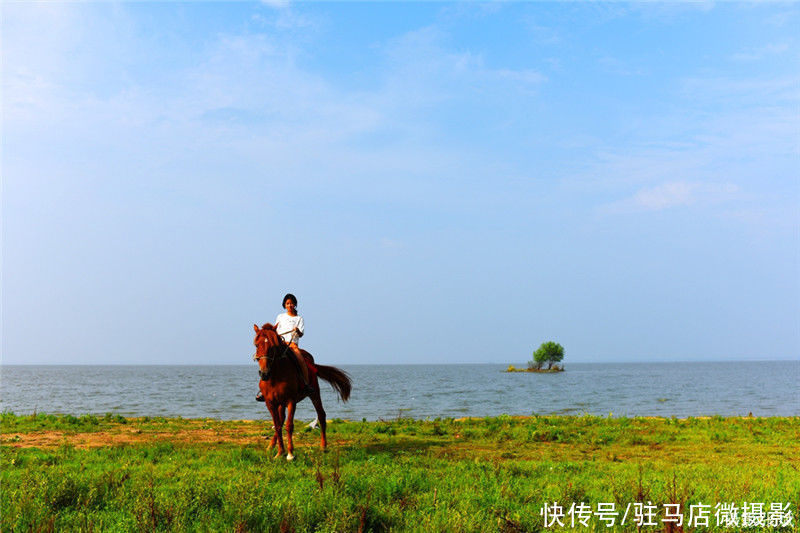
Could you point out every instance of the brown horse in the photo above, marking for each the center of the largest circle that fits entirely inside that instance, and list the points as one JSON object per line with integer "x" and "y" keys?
{"x": 282, "y": 385}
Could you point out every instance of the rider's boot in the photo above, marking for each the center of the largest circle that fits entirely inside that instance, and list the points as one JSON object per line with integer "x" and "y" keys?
{"x": 307, "y": 388}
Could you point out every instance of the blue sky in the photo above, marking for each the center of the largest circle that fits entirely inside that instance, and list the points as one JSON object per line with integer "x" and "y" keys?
{"x": 436, "y": 182}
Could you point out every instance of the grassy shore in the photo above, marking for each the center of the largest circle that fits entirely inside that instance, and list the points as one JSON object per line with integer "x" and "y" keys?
{"x": 115, "y": 474}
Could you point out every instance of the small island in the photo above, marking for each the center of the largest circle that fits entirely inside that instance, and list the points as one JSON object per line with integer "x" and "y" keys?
{"x": 549, "y": 352}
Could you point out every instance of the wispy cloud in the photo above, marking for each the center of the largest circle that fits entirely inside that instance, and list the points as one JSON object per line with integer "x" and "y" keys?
{"x": 244, "y": 102}
{"x": 783, "y": 18}
{"x": 526, "y": 76}
{"x": 675, "y": 194}
{"x": 277, "y": 4}
{"x": 723, "y": 142}
{"x": 618, "y": 66}
{"x": 137, "y": 145}
{"x": 423, "y": 70}
{"x": 755, "y": 54}
{"x": 541, "y": 33}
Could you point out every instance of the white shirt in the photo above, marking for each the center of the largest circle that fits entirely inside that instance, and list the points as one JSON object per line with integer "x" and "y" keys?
{"x": 285, "y": 325}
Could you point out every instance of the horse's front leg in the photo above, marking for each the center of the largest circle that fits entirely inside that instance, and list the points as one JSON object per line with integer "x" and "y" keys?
{"x": 272, "y": 414}
{"x": 278, "y": 413}
{"x": 290, "y": 429}
{"x": 274, "y": 439}
{"x": 282, "y": 414}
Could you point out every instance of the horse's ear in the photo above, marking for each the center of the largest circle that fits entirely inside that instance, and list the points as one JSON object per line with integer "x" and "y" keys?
{"x": 256, "y": 328}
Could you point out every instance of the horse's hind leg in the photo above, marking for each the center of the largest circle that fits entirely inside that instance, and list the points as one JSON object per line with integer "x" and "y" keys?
{"x": 290, "y": 429}
{"x": 317, "y": 401}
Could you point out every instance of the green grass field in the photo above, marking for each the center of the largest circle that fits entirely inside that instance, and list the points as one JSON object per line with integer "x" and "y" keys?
{"x": 494, "y": 474}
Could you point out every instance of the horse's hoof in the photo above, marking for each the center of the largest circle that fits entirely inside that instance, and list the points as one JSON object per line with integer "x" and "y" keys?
{"x": 290, "y": 457}
{"x": 278, "y": 455}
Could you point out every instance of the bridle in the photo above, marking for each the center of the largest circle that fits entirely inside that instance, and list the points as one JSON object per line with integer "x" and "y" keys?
{"x": 264, "y": 374}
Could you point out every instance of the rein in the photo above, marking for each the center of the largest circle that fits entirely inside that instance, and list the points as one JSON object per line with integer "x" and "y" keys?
{"x": 270, "y": 360}
{"x": 257, "y": 357}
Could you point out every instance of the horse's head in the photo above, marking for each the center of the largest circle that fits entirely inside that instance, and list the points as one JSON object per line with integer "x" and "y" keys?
{"x": 266, "y": 340}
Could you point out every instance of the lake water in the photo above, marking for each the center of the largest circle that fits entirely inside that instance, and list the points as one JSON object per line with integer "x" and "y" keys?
{"x": 417, "y": 391}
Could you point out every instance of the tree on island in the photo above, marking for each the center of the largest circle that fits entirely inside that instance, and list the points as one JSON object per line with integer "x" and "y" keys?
{"x": 549, "y": 352}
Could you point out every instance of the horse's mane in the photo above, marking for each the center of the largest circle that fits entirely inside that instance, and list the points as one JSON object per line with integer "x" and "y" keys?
{"x": 275, "y": 340}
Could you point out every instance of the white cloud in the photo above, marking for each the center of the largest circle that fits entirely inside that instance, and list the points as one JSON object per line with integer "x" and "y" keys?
{"x": 742, "y": 91}
{"x": 781, "y": 19}
{"x": 423, "y": 71}
{"x": 243, "y": 110}
{"x": 617, "y": 66}
{"x": 724, "y": 143}
{"x": 277, "y": 4}
{"x": 542, "y": 34}
{"x": 249, "y": 99}
{"x": 680, "y": 193}
{"x": 756, "y": 54}
{"x": 525, "y": 76}
{"x": 672, "y": 195}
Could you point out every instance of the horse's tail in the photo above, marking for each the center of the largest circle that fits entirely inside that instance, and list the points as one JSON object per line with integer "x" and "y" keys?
{"x": 338, "y": 379}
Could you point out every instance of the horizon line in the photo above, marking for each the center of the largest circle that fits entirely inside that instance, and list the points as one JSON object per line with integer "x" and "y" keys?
{"x": 422, "y": 364}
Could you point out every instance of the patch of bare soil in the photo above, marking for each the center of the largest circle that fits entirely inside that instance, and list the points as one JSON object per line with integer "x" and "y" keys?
{"x": 96, "y": 439}
{"x": 194, "y": 432}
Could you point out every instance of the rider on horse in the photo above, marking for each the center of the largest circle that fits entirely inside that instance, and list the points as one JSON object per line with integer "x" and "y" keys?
{"x": 290, "y": 328}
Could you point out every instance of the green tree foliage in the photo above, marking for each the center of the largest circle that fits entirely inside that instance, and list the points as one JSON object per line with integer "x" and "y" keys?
{"x": 549, "y": 352}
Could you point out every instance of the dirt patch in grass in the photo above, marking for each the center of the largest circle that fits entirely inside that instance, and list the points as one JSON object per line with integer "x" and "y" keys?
{"x": 96, "y": 439}
{"x": 194, "y": 432}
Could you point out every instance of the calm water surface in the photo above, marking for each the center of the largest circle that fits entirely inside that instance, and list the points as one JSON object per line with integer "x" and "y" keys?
{"x": 417, "y": 391}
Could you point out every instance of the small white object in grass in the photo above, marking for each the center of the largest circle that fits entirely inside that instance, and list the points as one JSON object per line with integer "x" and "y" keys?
{"x": 313, "y": 425}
